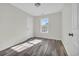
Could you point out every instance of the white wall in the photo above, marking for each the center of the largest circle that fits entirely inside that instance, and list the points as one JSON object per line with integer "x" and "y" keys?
{"x": 15, "y": 26}
{"x": 69, "y": 17}
{"x": 78, "y": 20}
{"x": 54, "y": 26}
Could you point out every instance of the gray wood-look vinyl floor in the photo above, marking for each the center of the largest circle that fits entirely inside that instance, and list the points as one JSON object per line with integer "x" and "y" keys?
{"x": 46, "y": 48}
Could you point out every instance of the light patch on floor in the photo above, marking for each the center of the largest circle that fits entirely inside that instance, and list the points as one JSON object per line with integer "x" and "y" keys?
{"x": 26, "y": 45}
{"x": 36, "y": 41}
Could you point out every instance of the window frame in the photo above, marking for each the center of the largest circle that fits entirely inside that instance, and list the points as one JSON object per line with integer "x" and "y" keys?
{"x": 41, "y": 26}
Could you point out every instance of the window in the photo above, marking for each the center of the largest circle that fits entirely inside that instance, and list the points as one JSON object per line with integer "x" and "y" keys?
{"x": 44, "y": 25}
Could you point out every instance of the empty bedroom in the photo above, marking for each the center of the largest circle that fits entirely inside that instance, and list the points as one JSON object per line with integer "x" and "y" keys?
{"x": 39, "y": 29}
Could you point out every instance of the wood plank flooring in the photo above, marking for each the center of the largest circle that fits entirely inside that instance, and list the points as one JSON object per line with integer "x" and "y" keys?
{"x": 47, "y": 47}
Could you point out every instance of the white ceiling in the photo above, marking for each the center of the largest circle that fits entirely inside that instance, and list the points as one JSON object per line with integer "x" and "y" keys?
{"x": 43, "y": 9}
